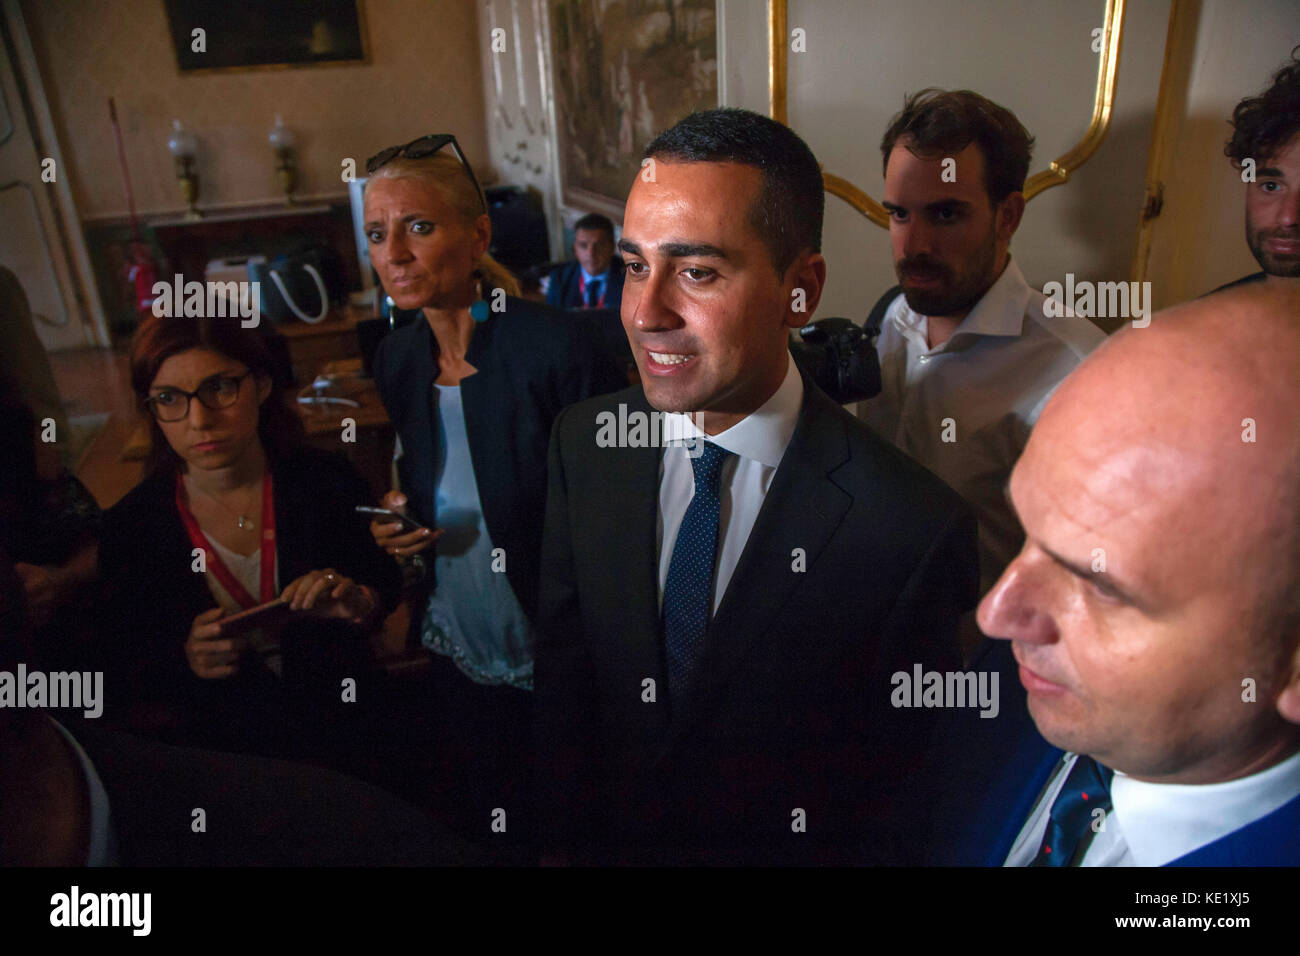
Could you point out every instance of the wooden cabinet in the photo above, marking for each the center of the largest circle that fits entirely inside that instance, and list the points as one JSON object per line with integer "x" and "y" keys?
{"x": 260, "y": 230}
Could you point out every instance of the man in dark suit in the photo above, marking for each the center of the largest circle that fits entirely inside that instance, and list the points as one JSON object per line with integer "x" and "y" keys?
{"x": 595, "y": 279}
{"x": 1152, "y": 612}
{"x": 721, "y": 609}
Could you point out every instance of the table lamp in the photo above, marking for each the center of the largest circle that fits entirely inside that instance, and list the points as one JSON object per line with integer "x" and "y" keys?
{"x": 286, "y": 167}
{"x": 183, "y": 147}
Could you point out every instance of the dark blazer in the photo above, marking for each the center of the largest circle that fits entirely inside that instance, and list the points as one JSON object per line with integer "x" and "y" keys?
{"x": 259, "y": 812}
{"x": 532, "y": 362}
{"x": 151, "y": 594}
{"x": 992, "y": 771}
{"x": 563, "y": 292}
{"x": 790, "y": 707}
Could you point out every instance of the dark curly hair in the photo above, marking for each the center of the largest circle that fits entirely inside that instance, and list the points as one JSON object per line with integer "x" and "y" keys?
{"x": 1261, "y": 125}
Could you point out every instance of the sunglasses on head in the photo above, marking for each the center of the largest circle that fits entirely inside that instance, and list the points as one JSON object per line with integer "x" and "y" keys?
{"x": 419, "y": 149}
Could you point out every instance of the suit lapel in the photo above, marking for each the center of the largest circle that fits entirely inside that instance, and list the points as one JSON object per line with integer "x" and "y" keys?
{"x": 1268, "y": 841}
{"x": 803, "y": 509}
{"x": 573, "y": 295}
{"x": 1027, "y": 774}
{"x": 419, "y": 422}
{"x": 175, "y": 551}
{"x": 622, "y": 524}
{"x": 477, "y": 404}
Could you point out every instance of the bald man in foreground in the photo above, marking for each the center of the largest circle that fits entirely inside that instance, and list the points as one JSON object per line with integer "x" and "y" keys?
{"x": 1154, "y": 611}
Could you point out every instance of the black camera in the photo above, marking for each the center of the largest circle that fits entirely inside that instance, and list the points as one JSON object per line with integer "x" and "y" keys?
{"x": 840, "y": 357}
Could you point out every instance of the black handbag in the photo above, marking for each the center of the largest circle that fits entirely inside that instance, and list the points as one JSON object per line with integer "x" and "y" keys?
{"x": 295, "y": 286}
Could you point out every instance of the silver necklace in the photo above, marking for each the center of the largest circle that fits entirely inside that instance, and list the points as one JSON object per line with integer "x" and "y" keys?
{"x": 245, "y": 522}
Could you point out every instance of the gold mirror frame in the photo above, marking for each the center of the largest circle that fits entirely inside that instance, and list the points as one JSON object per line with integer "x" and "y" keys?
{"x": 1056, "y": 173}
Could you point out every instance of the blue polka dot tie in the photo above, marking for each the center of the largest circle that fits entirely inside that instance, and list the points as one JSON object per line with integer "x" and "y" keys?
{"x": 1071, "y": 821}
{"x": 688, "y": 592}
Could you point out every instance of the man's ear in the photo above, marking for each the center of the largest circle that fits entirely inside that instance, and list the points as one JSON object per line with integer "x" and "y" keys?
{"x": 809, "y": 281}
{"x": 1288, "y": 701}
{"x": 1010, "y": 211}
{"x": 264, "y": 387}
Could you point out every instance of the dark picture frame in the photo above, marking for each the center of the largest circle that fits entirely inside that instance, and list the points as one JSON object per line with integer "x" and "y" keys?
{"x": 268, "y": 34}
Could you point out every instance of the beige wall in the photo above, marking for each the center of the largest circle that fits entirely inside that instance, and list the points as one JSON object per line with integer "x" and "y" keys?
{"x": 1033, "y": 57}
{"x": 1199, "y": 239}
{"x": 422, "y": 76}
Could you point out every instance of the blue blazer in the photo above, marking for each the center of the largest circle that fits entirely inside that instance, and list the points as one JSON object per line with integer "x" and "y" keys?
{"x": 563, "y": 291}
{"x": 532, "y": 362}
{"x": 996, "y": 768}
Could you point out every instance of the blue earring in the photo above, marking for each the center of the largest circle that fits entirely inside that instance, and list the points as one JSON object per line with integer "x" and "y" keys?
{"x": 479, "y": 309}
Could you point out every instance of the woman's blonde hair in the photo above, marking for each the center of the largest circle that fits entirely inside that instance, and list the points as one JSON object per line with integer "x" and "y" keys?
{"x": 444, "y": 171}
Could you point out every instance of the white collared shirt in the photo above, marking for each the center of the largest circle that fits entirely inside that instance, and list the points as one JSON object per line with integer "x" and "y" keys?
{"x": 1153, "y": 824}
{"x": 758, "y": 443}
{"x": 964, "y": 409}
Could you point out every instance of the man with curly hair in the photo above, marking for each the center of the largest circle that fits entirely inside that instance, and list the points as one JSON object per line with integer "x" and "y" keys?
{"x": 1266, "y": 134}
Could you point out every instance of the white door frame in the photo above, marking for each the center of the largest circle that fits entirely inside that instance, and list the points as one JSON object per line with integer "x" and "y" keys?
{"x": 76, "y": 281}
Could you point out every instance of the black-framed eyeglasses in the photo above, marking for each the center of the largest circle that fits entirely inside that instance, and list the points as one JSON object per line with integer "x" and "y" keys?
{"x": 419, "y": 149}
{"x": 216, "y": 393}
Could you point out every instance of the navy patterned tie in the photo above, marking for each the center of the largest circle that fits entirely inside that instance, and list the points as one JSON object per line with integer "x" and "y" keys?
{"x": 688, "y": 592}
{"x": 593, "y": 293}
{"x": 1070, "y": 826}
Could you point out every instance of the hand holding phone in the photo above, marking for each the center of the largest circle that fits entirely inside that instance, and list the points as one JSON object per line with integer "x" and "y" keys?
{"x": 387, "y": 516}
{"x": 253, "y": 616}
{"x": 395, "y": 531}
{"x": 211, "y": 654}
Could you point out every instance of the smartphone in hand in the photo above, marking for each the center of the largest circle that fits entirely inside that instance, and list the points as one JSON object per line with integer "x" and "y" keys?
{"x": 388, "y": 516}
{"x": 253, "y": 616}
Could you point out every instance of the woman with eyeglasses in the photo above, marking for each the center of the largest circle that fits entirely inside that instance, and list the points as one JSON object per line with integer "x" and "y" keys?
{"x": 235, "y": 512}
{"x": 472, "y": 388}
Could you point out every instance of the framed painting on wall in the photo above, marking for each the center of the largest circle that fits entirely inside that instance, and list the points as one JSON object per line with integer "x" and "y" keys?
{"x": 625, "y": 70}
{"x": 269, "y": 33}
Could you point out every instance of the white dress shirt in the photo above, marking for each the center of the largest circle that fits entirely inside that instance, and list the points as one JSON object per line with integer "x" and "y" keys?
{"x": 1152, "y": 824}
{"x": 758, "y": 443}
{"x": 982, "y": 390}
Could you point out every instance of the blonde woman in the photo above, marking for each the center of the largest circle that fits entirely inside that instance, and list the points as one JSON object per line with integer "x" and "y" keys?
{"x": 472, "y": 390}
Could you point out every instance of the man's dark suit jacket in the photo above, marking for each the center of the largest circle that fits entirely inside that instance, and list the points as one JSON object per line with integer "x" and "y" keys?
{"x": 790, "y": 705}
{"x": 563, "y": 291}
{"x": 258, "y": 812}
{"x": 152, "y": 596}
{"x": 991, "y": 772}
{"x": 532, "y": 361}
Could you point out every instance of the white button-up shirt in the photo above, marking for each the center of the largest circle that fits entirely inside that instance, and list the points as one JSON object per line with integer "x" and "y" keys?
{"x": 964, "y": 408}
{"x": 758, "y": 443}
{"x": 1153, "y": 824}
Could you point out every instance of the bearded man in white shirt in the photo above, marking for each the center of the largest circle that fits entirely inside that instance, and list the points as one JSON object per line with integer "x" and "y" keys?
{"x": 967, "y": 354}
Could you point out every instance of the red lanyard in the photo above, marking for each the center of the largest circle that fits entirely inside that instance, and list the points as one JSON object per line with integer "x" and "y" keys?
{"x": 218, "y": 566}
{"x": 582, "y": 291}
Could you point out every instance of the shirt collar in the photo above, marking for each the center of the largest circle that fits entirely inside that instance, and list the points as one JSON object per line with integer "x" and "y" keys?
{"x": 102, "y": 848}
{"x": 589, "y": 278}
{"x": 763, "y": 434}
{"x": 1161, "y": 822}
{"x": 1000, "y": 311}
